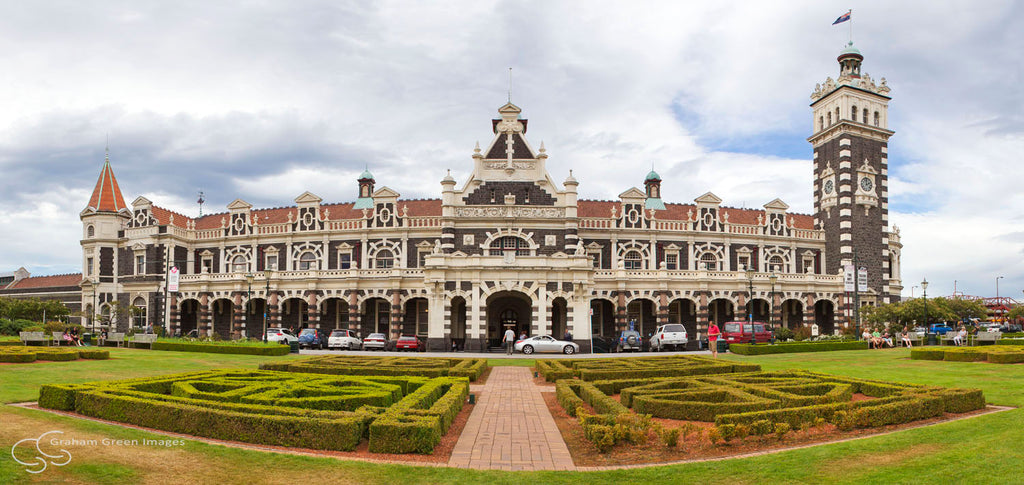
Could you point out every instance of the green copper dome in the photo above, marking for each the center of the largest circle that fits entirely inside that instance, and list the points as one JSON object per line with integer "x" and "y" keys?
{"x": 653, "y": 176}
{"x": 850, "y": 49}
{"x": 366, "y": 175}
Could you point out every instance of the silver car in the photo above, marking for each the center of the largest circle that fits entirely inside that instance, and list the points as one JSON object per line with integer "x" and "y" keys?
{"x": 345, "y": 340}
{"x": 378, "y": 341}
{"x": 545, "y": 343}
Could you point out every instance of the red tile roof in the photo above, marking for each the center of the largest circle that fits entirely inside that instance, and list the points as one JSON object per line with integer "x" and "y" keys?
{"x": 106, "y": 197}
{"x": 279, "y": 215}
{"x": 52, "y": 281}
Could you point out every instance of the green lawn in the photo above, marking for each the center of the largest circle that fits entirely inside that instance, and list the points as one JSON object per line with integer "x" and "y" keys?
{"x": 979, "y": 450}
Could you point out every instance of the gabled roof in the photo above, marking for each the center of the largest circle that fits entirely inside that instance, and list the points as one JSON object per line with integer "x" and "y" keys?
{"x": 106, "y": 197}
{"x": 52, "y": 281}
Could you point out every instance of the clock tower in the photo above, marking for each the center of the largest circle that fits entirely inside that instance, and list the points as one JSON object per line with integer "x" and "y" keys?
{"x": 851, "y": 199}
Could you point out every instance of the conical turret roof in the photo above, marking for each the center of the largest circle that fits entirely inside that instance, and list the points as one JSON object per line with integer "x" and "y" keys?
{"x": 106, "y": 197}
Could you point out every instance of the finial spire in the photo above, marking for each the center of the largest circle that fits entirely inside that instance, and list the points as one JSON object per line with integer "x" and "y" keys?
{"x": 107, "y": 157}
{"x": 510, "y": 85}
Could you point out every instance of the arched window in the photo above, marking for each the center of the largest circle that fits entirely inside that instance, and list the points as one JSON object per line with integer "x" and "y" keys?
{"x": 239, "y": 264}
{"x": 853, "y": 113}
{"x": 384, "y": 259}
{"x": 830, "y": 118}
{"x": 105, "y": 314}
{"x": 837, "y": 114}
{"x": 864, "y": 119}
{"x": 821, "y": 122}
{"x": 633, "y": 260}
{"x": 90, "y": 231}
{"x": 510, "y": 243}
{"x": 307, "y": 260}
{"x": 775, "y": 264}
{"x": 709, "y": 261}
{"x": 139, "y": 312}
{"x": 876, "y": 118}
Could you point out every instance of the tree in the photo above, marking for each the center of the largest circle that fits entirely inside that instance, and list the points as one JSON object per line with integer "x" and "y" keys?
{"x": 967, "y": 309}
{"x": 1016, "y": 312}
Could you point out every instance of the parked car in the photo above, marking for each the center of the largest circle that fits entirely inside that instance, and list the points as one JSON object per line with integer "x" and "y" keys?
{"x": 344, "y": 340}
{"x": 741, "y": 332}
{"x": 1009, "y": 328}
{"x": 545, "y": 343}
{"x": 410, "y": 342}
{"x": 671, "y": 336}
{"x": 282, "y": 335}
{"x": 940, "y": 328}
{"x": 312, "y": 338}
{"x": 376, "y": 341}
{"x": 629, "y": 340}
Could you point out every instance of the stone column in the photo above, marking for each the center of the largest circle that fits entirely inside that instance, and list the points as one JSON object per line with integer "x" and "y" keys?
{"x": 662, "y": 315}
{"x": 237, "y": 314}
{"x": 273, "y": 313}
{"x": 204, "y": 314}
{"x": 313, "y": 311}
{"x": 620, "y": 313}
{"x": 354, "y": 319}
{"x": 174, "y": 320}
{"x": 396, "y": 314}
{"x": 476, "y": 328}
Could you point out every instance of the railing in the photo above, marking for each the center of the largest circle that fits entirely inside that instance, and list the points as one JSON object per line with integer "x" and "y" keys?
{"x": 589, "y": 223}
{"x": 273, "y": 228}
{"x": 423, "y": 222}
{"x": 759, "y": 278}
{"x": 687, "y": 226}
{"x": 310, "y": 274}
{"x": 346, "y": 225}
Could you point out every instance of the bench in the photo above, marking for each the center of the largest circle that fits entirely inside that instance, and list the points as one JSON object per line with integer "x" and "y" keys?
{"x": 990, "y": 338}
{"x": 115, "y": 337}
{"x": 58, "y": 339}
{"x": 27, "y": 337}
{"x": 143, "y": 338}
{"x": 915, "y": 340}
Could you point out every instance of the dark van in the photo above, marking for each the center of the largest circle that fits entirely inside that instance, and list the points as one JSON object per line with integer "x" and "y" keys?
{"x": 740, "y": 332}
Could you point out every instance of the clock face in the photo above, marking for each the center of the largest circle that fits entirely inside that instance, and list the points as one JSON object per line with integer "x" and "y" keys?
{"x": 865, "y": 183}
{"x": 829, "y": 185}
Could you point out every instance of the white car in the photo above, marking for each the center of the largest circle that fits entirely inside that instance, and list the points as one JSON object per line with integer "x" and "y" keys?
{"x": 344, "y": 340}
{"x": 281, "y": 335}
{"x": 377, "y": 341}
{"x": 671, "y": 336}
{"x": 545, "y": 343}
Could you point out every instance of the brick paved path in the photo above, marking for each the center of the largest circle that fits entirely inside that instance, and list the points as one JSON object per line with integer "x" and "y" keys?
{"x": 510, "y": 428}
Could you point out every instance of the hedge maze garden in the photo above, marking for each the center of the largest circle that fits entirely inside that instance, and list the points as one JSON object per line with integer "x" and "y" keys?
{"x": 396, "y": 414}
{"x": 25, "y": 354}
{"x": 384, "y": 366}
{"x": 640, "y": 367}
{"x": 736, "y": 403}
{"x": 994, "y": 354}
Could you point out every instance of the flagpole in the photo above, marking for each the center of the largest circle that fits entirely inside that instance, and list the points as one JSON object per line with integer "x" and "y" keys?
{"x": 850, "y": 13}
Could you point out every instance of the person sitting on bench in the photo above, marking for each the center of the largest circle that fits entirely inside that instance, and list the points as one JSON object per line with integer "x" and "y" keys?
{"x": 959, "y": 338}
{"x": 906, "y": 338}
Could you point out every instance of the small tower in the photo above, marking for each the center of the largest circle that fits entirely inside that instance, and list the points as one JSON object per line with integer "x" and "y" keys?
{"x": 365, "y": 200}
{"x": 851, "y": 197}
{"x": 653, "y": 187}
{"x": 102, "y": 220}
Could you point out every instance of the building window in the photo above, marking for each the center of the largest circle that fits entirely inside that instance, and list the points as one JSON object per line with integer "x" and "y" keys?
{"x": 743, "y": 262}
{"x": 207, "y": 264}
{"x": 421, "y": 257}
{"x": 633, "y": 260}
{"x": 510, "y": 243}
{"x": 239, "y": 264}
{"x": 140, "y": 264}
{"x": 709, "y": 261}
{"x": 672, "y": 261}
{"x": 864, "y": 118}
{"x": 853, "y": 113}
{"x": 139, "y": 312}
{"x": 837, "y": 114}
{"x": 808, "y": 264}
{"x": 821, "y": 122}
{"x": 421, "y": 318}
{"x": 775, "y": 264}
{"x": 595, "y": 255}
{"x": 384, "y": 259}
{"x": 271, "y": 262}
{"x": 88, "y": 266}
{"x": 830, "y": 118}
{"x": 90, "y": 231}
{"x": 876, "y": 118}
{"x": 307, "y": 261}
{"x": 345, "y": 260}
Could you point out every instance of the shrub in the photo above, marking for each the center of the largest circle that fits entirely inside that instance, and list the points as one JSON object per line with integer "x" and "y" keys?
{"x": 669, "y": 437}
{"x": 383, "y": 366}
{"x": 781, "y": 429}
{"x": 726, "y": 431}
{"x": 218, "y": 348}
{"x": 823, "y": 346}
{"x": 714, "y": 435}
{"x": 802, "y": 333}
{"x": 761, "y": 427}
{"x": 782, "y": 334}
{"x": 742, "y": 431}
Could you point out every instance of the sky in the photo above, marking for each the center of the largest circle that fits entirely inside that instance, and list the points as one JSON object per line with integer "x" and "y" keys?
{"x": 265, "y": 100}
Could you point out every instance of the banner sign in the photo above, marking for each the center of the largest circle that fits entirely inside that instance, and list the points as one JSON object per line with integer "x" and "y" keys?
{"x": 172, "y": 280}
{"x": 862, "y": 279}
{"x": 848, "y": 277}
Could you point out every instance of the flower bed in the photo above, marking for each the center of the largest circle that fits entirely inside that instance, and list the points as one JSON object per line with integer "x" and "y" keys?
{"x": 383, "y": 366}
{"x": 399, "y": 414}
{"x": 780, "y": 400}
{"x": 788, "y": 347}
{"x": 991, "y": 353}
{"x": 638, "y": 367}
{"x": 25, "y": 354}
{"x": 226, "y": 347}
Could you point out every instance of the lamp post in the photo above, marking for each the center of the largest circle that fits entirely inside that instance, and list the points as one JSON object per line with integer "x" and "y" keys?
{"x": 771, "y": 316}
{"x": 266, "y": 304}
{"x": 92, "y": 318}
{"x": 750, "y": 304}
{"x": 997, "y": 288}
{"x": 248, "y": 300}
{"x": 924, "y": 289}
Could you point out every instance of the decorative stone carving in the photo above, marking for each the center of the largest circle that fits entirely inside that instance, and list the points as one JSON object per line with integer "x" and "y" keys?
{"x": 511, "y": 211}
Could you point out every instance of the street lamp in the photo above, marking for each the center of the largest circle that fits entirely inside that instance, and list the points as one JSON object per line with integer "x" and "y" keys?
{"x": 248, "y": 300}
{"x": 750, "y": 304}
{"x": 266, "y": 304}
{"x": 997, "y": 288}
{"x": 924, "y": 289}
{"x": 771, "y": 316}
{"x": 92, "y": 317}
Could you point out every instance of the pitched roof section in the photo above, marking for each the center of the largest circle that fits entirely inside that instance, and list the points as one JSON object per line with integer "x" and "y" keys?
{"x": 106, "y": 197}
{"x": 52, "y": 281}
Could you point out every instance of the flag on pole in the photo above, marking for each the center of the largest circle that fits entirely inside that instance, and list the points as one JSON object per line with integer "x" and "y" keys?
{"x": 843, "y": 18}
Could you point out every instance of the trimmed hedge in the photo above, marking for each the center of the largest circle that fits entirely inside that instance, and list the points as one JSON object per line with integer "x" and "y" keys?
{"x": 993, "y": 354}
{"x": 399, "y": 414}
{"x": 24, "y": 354}
{"x": 383, "y": 366}
{"x": 269, "y": 350}
{"x": 638, "y": 367}
{"x": 784, "y": 348}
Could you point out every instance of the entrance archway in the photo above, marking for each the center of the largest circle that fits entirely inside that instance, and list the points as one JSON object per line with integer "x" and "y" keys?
{"x": 824, "y": 316}
{"x": 508, "y": 309}
{"x": 255, "y": 310}
{"x": 414, "y": 321}
{"x": 376, "y": 317}
{"x": 640, "y": 312}
{"x": 685, "y": 312}
{"x": 458, "y": 324}
{"x": 334, "y": 314}
{"x": 559, "y": 314}
{"x": 222, "y": 312}
{"x": 792, "y": 314}
{"x": 761, "y": 310}
{"x": 188, "y": 316}
{"x": 720, "y": 311}
{"x": 294, "y": 314}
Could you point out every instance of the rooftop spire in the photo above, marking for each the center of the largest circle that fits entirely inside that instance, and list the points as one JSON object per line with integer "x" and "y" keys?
{"x": 106, "y": 197}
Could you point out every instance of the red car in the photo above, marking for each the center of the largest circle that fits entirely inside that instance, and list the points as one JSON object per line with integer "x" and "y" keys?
{"x": 740, "y": 332}
{"x": 409, "y": 342}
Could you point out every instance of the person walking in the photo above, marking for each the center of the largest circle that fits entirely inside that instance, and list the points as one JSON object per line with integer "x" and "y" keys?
{"x": 713, "y": 334}
{"x": 510, "y": 340}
